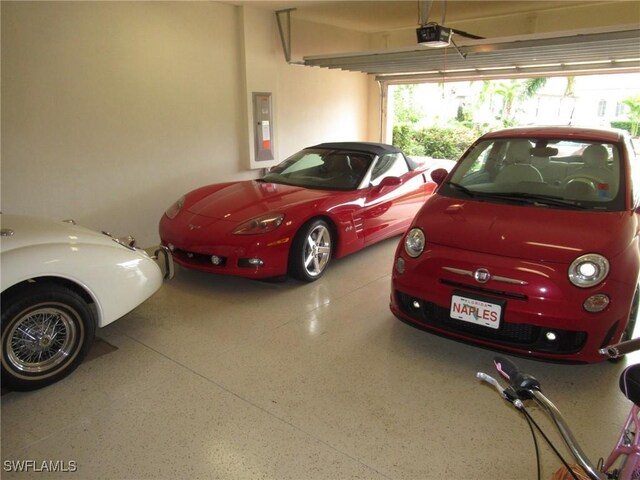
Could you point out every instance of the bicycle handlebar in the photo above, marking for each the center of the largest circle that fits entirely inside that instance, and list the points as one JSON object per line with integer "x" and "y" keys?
{"x": 523, "y": 383}
{"x": 565, "y": 432}
{"x": 620, "y": 349}
{"x": 526, "y": 387}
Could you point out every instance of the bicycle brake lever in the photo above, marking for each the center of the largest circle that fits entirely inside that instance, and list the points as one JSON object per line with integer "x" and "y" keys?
{"x": 508, "y": 394}
{"x": 490, "y": 380}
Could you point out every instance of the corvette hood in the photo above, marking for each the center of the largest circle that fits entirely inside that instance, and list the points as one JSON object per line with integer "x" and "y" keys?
{"x": 244, "y": 200}
{"x": 526, "y": 232}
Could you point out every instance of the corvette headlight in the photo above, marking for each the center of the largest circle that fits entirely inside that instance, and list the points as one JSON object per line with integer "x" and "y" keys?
{"x": 414, "y": 242}
{"x": 174, "y": 209}
{"x": 588, "y": 270}
{"x": 262, "y": 224}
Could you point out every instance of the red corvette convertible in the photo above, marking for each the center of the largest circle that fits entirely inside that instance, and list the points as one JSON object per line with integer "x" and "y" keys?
{"x": 325, "y": 201}
{"x": 530, "y": 245}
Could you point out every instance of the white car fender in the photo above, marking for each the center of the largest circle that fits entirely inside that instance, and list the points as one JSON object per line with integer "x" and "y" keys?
{"x": 117, "y": 280}
{"x": 60, "y": 282}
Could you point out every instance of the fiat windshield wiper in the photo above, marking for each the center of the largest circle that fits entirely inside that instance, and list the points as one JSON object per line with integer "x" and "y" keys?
{"x": 548, "y": 200}
{"x": 462, "y": 189}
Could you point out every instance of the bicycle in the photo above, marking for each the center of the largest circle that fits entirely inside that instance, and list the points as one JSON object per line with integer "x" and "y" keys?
{"x": 623, "y": 463}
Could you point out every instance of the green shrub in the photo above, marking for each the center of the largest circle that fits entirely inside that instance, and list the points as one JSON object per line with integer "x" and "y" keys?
{"x": 436, "y": 142}
{"x": 623, "y": 125}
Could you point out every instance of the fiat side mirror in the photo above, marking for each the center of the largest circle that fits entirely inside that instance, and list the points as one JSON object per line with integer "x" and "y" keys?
{"x": 438, "y": 175}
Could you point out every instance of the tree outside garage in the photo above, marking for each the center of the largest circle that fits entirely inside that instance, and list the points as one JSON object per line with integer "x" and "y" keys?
{"x": 441, "y": 120}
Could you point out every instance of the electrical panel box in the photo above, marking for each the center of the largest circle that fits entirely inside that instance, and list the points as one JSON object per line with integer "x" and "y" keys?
{"x": 263, "y": 133}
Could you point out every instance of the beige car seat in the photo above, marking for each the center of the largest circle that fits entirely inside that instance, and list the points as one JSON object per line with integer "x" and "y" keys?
{"x": 517, "y": 167}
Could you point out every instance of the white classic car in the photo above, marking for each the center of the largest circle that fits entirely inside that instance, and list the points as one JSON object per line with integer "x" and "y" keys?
{"x": 60, "y": 282}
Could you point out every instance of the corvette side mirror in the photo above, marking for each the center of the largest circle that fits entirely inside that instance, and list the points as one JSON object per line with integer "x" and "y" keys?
{"x": 390, "y": 182}
{"x": 387, "y": 182}
{"x": 438, "y": 175}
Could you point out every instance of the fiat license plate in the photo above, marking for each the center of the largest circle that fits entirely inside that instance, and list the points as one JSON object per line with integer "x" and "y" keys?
{"x": 475, "y": 311}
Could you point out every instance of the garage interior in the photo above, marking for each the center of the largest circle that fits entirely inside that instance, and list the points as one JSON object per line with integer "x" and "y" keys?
{"x": 112, "y": 110}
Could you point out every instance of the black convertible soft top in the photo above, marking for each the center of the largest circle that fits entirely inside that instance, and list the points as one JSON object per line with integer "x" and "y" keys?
{"x": 374, "y": 148}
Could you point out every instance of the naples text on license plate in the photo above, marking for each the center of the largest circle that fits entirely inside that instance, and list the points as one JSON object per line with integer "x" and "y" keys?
{"x": 475, "y": 311}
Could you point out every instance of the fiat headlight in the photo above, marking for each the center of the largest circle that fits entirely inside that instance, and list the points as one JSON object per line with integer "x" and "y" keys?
{"x": 414, "y": 242}
{"x": 174, "y": 209}
{"x": 588, "y": 270}
{"x": 262, "y": 224}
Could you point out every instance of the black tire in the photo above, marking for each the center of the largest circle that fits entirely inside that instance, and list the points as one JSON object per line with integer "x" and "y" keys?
{"x": 311, "y": 251}
{"x": 47, "y": 330}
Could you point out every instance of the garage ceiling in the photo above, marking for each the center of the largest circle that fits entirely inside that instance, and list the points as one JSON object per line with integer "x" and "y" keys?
{"x": 374, "y": 16}
{"x": 524, "y": 56}
{"x": 605, "y": 49}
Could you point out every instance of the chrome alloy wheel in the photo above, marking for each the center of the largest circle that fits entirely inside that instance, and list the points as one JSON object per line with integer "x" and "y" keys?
{"x": 317, "y": 250}
{"x": 42, "y": 339}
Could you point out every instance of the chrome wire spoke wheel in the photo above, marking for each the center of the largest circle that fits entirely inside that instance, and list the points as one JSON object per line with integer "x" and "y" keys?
{"x": 47, "y": 330}
{"x": 41, "y": 340}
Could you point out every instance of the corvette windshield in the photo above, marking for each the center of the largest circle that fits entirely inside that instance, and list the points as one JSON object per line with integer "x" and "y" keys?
{"x": 566, "y": 174}
{"x": 322, "y": 169}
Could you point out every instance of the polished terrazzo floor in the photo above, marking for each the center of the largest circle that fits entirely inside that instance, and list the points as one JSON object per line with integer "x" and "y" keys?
{"x": 225, "y": 378}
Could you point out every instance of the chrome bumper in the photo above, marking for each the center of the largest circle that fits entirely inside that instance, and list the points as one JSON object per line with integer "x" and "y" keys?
{"x": 167, "y": 259}
{"x": 162, "y": 251}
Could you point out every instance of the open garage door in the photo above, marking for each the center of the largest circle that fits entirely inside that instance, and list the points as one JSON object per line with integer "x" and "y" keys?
{"x": 540, "y": 55}
{"x": 525, "y": 56}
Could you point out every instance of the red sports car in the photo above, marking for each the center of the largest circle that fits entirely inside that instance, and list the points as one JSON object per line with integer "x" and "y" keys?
{"x": 530, "y": 245}
{"x": 325, "y": 201}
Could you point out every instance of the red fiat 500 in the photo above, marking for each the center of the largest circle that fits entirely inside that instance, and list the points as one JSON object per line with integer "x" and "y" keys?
{"x": 530, "y": 245}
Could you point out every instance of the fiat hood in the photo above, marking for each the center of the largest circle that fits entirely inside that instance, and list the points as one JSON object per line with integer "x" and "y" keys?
{"x": 244, "y": 200}
{"x": 525, "y": 232}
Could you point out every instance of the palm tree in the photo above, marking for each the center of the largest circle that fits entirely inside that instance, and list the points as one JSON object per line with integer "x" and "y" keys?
{"x": 634, "y": 113}
{"x": 569, "y": 90}
{"x": 515, "y": 91}
{"x": 533, "y": 85}
{"x": 508, "y": 91}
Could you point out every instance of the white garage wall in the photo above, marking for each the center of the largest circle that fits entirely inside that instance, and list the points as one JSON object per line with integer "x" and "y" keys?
{"x": 347, "y": 119}
{"x": 346, "y": 93}
{"x": 311, "y": 105}
{"x": 111, "y": 110}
